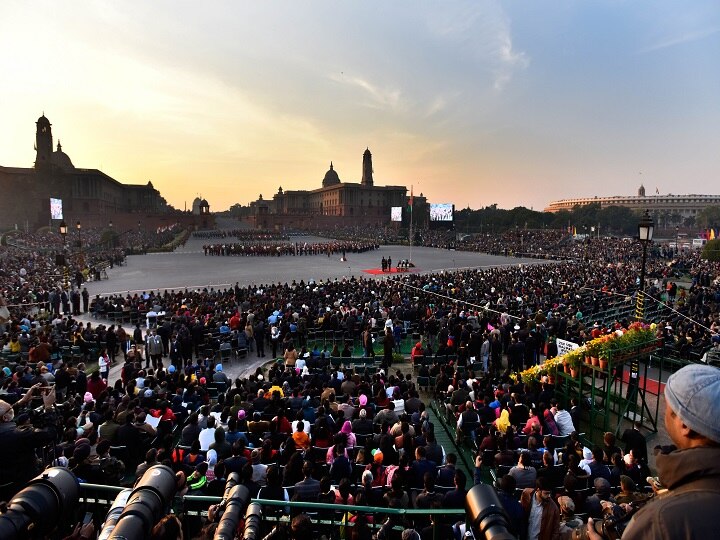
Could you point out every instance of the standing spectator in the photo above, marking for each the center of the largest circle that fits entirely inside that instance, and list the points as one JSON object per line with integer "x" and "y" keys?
{"x": 542, "y": 515}
{"x": 634, "y": 440}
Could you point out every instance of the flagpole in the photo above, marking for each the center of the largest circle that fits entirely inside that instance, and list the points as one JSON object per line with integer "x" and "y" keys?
{"x": 412, "y": 203}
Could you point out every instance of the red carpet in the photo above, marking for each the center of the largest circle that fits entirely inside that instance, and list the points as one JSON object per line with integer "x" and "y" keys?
{"x": 378, "y": 271}
{"x": 650, "y": 385}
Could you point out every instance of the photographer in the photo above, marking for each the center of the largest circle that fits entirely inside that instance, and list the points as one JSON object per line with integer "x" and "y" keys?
{"x": 691, "y": 473}
{"x": 18, "y": 445}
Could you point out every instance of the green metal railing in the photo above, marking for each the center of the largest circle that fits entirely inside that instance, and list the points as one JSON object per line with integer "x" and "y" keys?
{"x": 98, "y": 498}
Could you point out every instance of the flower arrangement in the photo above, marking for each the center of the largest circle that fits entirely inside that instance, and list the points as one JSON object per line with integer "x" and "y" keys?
{"x": 607, "y": 346}
{"x": 574, "y": 358}
{"x": 600, "y": 346}
{"x": 594, "y": 347}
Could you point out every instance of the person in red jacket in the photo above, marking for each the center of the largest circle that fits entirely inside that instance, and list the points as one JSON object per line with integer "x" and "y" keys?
{"x": 96, "y": 385}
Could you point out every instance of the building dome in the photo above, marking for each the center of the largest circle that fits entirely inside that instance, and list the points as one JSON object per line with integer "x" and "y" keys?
{"x": 331, "y": 177}
{"x": 61, "y": 160}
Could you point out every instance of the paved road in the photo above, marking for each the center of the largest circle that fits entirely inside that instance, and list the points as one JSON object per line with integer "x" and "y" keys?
{"x": 191, "y": 269}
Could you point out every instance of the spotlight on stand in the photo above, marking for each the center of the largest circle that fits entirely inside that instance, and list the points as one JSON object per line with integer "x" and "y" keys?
{"x": 486, "y": 512}
{"x": 44, "y": 504}
{"x": 146, "y": 505}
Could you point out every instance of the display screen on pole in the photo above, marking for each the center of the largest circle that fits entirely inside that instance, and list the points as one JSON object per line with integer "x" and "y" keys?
{"x": 441, "y": 212}
{"x": 396, "y": 213}
{"x": 56, "y": 211}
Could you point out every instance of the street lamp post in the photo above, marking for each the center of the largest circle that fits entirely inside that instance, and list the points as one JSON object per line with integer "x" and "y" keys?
{"x": 63, "y": 230}
{"x": 677, "y": 240}
{"x": 79, "y": 229}
{"x": 645, "y": 235}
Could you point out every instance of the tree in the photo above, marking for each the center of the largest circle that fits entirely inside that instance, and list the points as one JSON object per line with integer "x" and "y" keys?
{"x": 711, "y": 251}
{"x": 708, "y": 217}
{"x": 618, "y": 219}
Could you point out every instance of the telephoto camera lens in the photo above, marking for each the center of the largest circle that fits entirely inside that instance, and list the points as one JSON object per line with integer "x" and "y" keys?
{"x": 253, "y": 520}
{"x": 44, "y": 504}
{"x": 487, "y": 514}
{"x": 113, "y": 514}
{"x": 237, "y": 499}
{"x": 147, "y": 504}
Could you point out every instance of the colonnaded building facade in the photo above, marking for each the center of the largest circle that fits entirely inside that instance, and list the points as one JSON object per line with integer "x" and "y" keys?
{"x": 336, "y": 203}
{"x": 667, "y": 210}
{"x": 87, "y": 194}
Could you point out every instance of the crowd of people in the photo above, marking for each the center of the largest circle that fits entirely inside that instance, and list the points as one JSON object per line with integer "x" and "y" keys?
{"x": 246, "y": 235}
{"x": 32, "y": 278}
{"x": 278, "y": 249}
{"x": 302, "y": 428}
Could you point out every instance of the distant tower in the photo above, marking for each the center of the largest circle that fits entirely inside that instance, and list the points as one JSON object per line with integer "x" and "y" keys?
{"x": 43, "y": 144}
{"x": 641, "y": 191}
{"x": 367, "y": 179}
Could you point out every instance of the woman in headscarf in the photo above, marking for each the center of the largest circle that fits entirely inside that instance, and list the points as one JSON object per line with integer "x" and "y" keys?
{"x": 503, "y": 422}
{"x": 550, "y": 427}
{"x": 347, "y": 430}
{"x": 417, "y": 352}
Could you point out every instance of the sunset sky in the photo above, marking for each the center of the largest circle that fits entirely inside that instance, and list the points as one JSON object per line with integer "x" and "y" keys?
{"x": 474, "y": 102}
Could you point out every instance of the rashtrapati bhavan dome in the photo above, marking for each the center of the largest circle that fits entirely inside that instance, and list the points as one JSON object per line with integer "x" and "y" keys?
{"x": 687, "y": 206}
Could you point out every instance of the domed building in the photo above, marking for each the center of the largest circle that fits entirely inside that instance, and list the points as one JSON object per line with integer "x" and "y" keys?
{"x": 200, "y": 206}
{"x": 336, "y": 203}
{"x": 666, "y": 210}
{"x": 331, "y": 177}
{"x": 61, "y": 160}
{"x": 87, "y": 193}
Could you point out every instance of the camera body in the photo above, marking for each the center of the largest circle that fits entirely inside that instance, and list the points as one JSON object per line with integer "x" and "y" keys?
{"x": 613, "y": 523}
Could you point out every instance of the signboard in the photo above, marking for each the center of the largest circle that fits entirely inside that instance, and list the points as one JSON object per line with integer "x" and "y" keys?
{"x": 396, "y": 213}
{"x": 56, "y": 211}
{"x": 565, "y": 346}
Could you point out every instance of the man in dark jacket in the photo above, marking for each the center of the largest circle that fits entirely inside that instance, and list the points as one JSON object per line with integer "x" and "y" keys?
{"x": 307, "y": 489}
{"x": 456, "y": 497}
{"x": 421, "y": 466}
{"x": 691, "y": 473}
{"x": 635, "y": 441}
{"x": 542, "y": 515}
